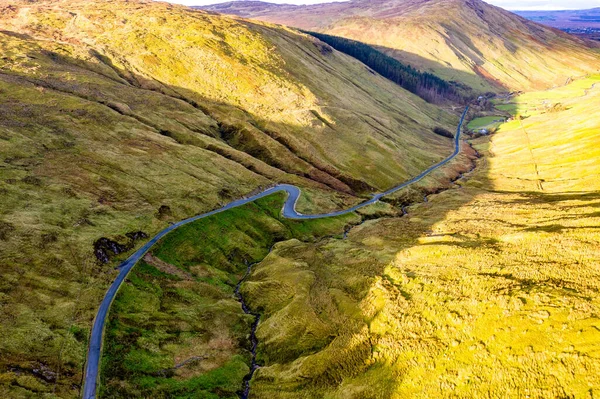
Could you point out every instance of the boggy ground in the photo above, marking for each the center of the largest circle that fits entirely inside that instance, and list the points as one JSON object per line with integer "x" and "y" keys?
{"x": 487, "y": 290}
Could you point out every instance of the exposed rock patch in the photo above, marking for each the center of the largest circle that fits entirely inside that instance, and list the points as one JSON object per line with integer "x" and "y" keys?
{"x": 105, "y": 248}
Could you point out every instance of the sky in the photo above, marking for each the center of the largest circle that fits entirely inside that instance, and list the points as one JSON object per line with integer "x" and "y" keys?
{"x": 508, "y": 4}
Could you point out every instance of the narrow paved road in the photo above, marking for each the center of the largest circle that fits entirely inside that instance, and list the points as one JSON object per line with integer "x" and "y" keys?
{"x": 288, "y": 211}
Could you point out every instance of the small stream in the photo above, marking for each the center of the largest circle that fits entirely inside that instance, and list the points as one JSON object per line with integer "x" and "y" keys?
{"x": 253, "y": 339}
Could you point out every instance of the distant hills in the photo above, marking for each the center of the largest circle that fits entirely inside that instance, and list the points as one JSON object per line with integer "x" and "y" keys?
{"x": 468, "y": 41}
{"x": 566, "y": 19}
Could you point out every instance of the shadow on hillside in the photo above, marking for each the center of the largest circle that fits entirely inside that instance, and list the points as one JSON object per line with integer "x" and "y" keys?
{"x": 478, "y": 82}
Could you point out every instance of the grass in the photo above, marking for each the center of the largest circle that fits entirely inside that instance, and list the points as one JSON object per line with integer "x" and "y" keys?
{"x": 154, "y": 322}
{"x": 182, "y": 305}
{"x": 511, "y": 108}
{"x": 123, "y": 117}
{"x": 103, "y": 123}
{"x": 488, "y": 287}
{"x": 554, "y": 149}
{"x": 164, "y": 318}
{"x": 485, "y": 122}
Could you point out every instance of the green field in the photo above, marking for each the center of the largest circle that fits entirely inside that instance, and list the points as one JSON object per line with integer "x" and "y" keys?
{"x": 511, "y": 108}
{"x": 485, "y": 122}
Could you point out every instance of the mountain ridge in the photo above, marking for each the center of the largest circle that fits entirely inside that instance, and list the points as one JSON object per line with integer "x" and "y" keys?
{"x": 463, "y": 40}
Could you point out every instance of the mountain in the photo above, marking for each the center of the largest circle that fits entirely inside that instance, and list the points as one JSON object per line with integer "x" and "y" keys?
{"x": 118, "y": 118}
{"x": 468, "y": 41}
{"x": 565, "y": 19}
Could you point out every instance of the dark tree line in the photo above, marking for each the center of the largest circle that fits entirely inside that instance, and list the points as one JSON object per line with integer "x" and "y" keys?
{"x": 426, "y": 85}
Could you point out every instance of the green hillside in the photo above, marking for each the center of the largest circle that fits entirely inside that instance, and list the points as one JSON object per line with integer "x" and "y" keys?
{"x": 117, "y": 118}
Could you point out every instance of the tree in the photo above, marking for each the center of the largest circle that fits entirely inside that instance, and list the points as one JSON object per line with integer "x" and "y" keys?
{"x": 427, "y": 86}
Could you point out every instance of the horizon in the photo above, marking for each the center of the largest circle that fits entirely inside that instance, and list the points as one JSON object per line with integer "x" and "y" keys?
{"x": 511, "y": 5}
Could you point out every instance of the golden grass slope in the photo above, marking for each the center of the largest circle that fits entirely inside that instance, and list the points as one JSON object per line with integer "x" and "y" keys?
{"x": 118, "y": 117}
{"x": 467, "y": 41}
{"x": 489, "y": 289}
{"x": 257, "y": 81}
{"x": 556, "y": 143}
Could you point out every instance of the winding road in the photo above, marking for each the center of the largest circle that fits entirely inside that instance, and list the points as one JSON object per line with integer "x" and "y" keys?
{"x": 288, "y": 211}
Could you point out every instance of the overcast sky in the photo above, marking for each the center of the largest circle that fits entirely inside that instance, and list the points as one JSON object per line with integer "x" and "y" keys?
{"x": 508, "y": 4}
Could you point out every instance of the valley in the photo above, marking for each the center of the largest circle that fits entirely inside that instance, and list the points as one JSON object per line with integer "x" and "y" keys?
{"x": 399, "y": 200}
{"x": 288, "y": 211}
{"x": 488, "y": 287}
{"x": 411, "y": 305}
{"x": 108, "y": 135}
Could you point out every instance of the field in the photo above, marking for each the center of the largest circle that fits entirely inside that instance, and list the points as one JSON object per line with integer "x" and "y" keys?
{"x": 485, "y": 122}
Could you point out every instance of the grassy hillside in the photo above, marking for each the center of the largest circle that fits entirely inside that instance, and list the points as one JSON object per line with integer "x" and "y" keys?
{"x": 467, "y": 41}
{"x": 176, "y": 328}
{"x": 117, "y": 118}
{"x": 425, "y": 85}
{"x": 488, "y": 287}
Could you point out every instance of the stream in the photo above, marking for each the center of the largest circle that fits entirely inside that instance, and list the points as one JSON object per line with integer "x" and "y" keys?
{"x": 253, "y": 339}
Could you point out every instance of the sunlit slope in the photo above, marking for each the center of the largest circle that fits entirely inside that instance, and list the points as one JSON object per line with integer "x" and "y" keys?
{"x": 278, "y": 95}
{"x": 490, "y": 287}
{"x": 555, "y": 141}
{"x": 120, "y": 117}
{"x": 468, "y": 41}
